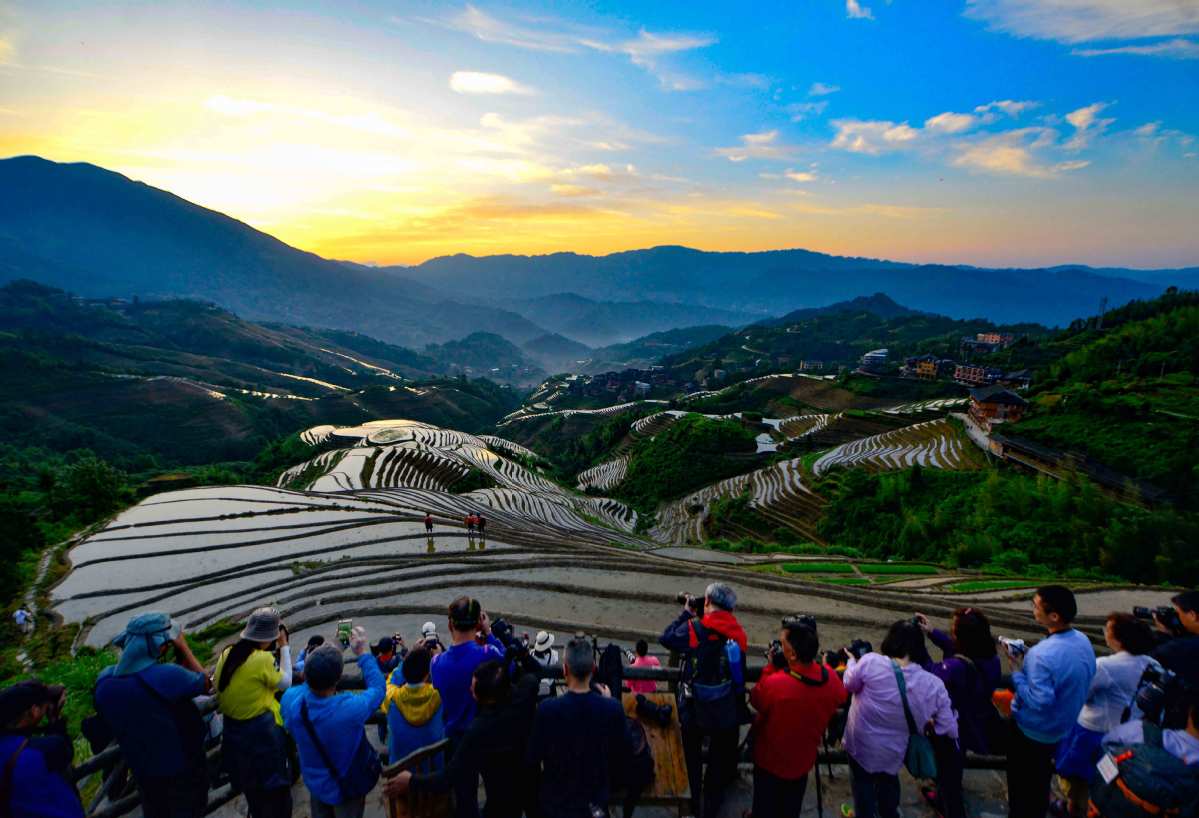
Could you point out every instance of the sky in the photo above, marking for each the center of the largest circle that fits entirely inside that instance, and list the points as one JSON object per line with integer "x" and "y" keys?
{"x": 989, "y": 132}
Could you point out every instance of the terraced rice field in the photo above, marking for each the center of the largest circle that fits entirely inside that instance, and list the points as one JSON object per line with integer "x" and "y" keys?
{"x": 605, "y": 476}
{"x": 777, "y": 492}
{"x": 526, "y": 413}
{"x": 357, "y": 548}
{"x": 935, "y": 444}
{"x": 935, "y": 405}
{"x": 798, "y": 426}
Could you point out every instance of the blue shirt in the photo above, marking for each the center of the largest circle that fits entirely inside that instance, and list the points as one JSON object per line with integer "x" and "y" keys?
{"x": 339, "y": 721}
{"x": 39, "y": 789}
{"x": 451, "y": 675}
{"x": 1053, "y": 686}
{"x": 145, "y": 729}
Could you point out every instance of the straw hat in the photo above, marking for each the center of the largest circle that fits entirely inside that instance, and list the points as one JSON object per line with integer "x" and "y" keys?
{"x": 543, "y": 642}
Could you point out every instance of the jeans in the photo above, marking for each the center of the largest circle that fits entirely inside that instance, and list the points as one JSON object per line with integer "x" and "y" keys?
{"x": 722, "y": 767}
{"x": 950, "y": 762}
{"x": 776, "y": 797}
{"x": 1029, "y": 773}
{"x": 346, "y": 809}
{"x": 875, "y": 795}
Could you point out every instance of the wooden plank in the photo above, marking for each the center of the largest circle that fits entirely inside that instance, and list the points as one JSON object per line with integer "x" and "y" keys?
{"x": 666, "y": 743}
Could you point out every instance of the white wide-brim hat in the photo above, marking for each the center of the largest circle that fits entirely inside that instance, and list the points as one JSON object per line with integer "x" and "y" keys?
{"x": 544, "y": 641}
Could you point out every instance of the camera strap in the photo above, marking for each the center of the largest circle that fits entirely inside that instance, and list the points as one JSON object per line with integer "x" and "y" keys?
{"x": 809, "y": 681}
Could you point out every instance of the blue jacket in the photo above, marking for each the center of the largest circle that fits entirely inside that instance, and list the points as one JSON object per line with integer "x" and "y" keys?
{"x": 1053, "y": 686}
{"x": 40, "y": 788}
{"x": 451, "y": 674}
{"x": 339, "y": 721}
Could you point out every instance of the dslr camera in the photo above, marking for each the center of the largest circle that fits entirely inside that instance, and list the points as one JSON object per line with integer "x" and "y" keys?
{"x": 1161, "y": 698}
{"x": 859, "y": 648}
{"x": 1166, "y": 614}
{"x": 801, "y": 621}
{"x": 693, "y": 603}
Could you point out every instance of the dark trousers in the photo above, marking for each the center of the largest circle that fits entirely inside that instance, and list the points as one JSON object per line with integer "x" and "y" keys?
{"x": 1029, "y": 773}
{"x": 176, "y": 796}
{"x": 776, "y": 797}
{"x": 950, "y": 762}
{"x": 722, "y": 767}
{"x": 875, "y": 795}
{"x": 274, "y": 803}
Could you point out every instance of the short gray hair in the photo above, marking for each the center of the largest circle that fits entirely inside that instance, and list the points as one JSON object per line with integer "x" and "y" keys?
{"x": 580, "y": 658}
{"x": 722, "y": 596}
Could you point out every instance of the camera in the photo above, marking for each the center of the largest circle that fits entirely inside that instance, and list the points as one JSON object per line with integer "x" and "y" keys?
{"x": 513, "y": 645}
{"x": 859, "y": 648}
{"x": 1161, "y": 698}
{"x": 1015, "y": 647}
{"x": 800, "y": 621}
{"x": 774, "y": 654}
{"x": 693, "y": 602}
{"x": 1165, "y": 613}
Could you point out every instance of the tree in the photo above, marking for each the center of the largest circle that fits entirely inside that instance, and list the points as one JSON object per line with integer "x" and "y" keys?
{"x": 87, "y": 489}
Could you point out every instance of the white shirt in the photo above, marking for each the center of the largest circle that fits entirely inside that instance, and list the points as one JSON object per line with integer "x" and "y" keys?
{"x": 1113, "y": 688}
{"x": 1178, "y": 743}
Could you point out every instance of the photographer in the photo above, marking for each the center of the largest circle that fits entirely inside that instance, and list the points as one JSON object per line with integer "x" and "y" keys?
{"x": 1180, "y": 653}
{"x": 493, "y": 747}
{"x": 578, "y": 739}
{"x": 971, "y": 671}
{"x": 36, "y": 783}
{"x": 795, "y": 699}
{"x": 337, "y": 761}
{"x": 453, "y": 670}
{"x": 877, "y": 731}
{"x": 413, "y": 707}
{"x": 711, "y": 691}
{"x": 1051, "y": 684}
{"x": 254, "y": 750}
{"x": 147, "y": 704}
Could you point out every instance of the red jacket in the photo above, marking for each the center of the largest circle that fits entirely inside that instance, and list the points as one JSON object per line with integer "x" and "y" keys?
{"x": 791, "y": 718}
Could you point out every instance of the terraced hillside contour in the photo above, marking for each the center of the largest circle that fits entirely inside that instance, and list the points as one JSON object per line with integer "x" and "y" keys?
{"x": 935, "y": 444}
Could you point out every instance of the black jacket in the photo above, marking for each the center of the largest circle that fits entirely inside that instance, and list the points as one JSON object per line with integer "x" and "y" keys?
{"x": 493, "y": 746}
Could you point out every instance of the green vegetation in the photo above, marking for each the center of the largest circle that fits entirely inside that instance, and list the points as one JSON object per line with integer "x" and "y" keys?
{"x": 576, "y": 454}
{"x": 843, "y": 580}
{"x": 1008, "y": 522}
{"x": 818, "y": 568}
{"x": 909, "y": 569}
{"x": 473, "y": 480}
{"x": 689, "y": 454}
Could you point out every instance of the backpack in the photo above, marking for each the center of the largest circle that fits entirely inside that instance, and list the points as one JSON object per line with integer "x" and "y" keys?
{"x": 610, "y": 670}
{"x": 711, "y": 681}
{"x": 1149, "y": 782}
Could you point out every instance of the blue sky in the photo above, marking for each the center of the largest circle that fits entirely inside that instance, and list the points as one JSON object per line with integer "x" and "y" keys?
{"x": 985, "y": 131}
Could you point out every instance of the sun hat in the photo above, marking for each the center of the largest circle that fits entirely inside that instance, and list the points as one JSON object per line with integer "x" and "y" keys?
{"x": 323, "y": 667}
{"x": 543, "y": 642}
{"x": 142, "y": 639}
{"x": 262, "y": 626}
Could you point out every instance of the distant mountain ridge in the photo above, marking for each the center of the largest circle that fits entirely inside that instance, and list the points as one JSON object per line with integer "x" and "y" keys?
{"x": 97, "y": 233}
{"x": 879, "y": 304}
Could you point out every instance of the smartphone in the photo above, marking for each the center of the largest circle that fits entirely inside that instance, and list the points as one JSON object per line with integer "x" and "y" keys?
{"x": 344, "y": 628}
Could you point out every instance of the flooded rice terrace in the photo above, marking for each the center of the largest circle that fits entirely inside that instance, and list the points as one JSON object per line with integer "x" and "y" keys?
{"x": 547, "y": 563}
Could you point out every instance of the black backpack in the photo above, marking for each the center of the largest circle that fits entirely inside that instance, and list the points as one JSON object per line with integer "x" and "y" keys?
{"x": 710, "y": 689}
{"x": 635, "y": 771}
{"x": 610, "y": 670}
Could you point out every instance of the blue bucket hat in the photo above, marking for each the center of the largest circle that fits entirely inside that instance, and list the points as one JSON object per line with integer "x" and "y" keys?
{"x": 142, "y": 640}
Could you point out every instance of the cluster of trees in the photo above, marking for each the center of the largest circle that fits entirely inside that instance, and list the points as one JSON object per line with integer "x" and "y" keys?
{"x": 689, "y": 454}
{"x": 1008, "y": 521}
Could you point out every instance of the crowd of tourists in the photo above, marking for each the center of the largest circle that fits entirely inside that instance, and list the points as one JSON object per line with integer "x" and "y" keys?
{"x": 1120, "y": 732}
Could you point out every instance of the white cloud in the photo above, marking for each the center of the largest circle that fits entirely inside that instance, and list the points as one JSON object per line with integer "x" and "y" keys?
{"x": 799, "y": 110}
{"x": 856, "y": 11}
{"x": 1178, "y": 48}
{"x": 367, "y": 121}
{"x": 1008, "y": 106}
{"x": 801, "y": 176}
{"x": 821, "y": 89}
{"x": 950, "y": 122}
{"x": 478, "y": 82}
{"x": 871, "y": 136}
{"x": 1005, "y": 154}
{"x": 1074, "y": 164}
{"x": 1149, "y": 129}
{"x": 1087, "y": 125}
{"x": 1080, "y": 21}
{"x": 762, "y": 145}
{"x": 554, "y": 36}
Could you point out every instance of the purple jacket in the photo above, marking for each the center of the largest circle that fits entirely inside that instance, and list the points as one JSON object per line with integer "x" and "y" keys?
{"x": 970, "y": 686}
{"x": 876, "y": 734}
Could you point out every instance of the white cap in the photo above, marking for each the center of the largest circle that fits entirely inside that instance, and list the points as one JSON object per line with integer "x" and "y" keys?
{"x": 428, "y": 629}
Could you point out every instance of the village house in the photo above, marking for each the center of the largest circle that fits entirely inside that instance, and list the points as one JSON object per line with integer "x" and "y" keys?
{"x": 972, "y": 375}
{"x": 873, "y": 361}
{"x": 811, "y": 366}
{"x": 990, "y": 405}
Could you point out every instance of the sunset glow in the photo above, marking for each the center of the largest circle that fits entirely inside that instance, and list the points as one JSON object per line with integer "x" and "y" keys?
{"x": 395, "y": 132}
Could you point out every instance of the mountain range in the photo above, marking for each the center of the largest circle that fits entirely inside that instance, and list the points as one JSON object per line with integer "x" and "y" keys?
{"x": 97, "y": 233}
